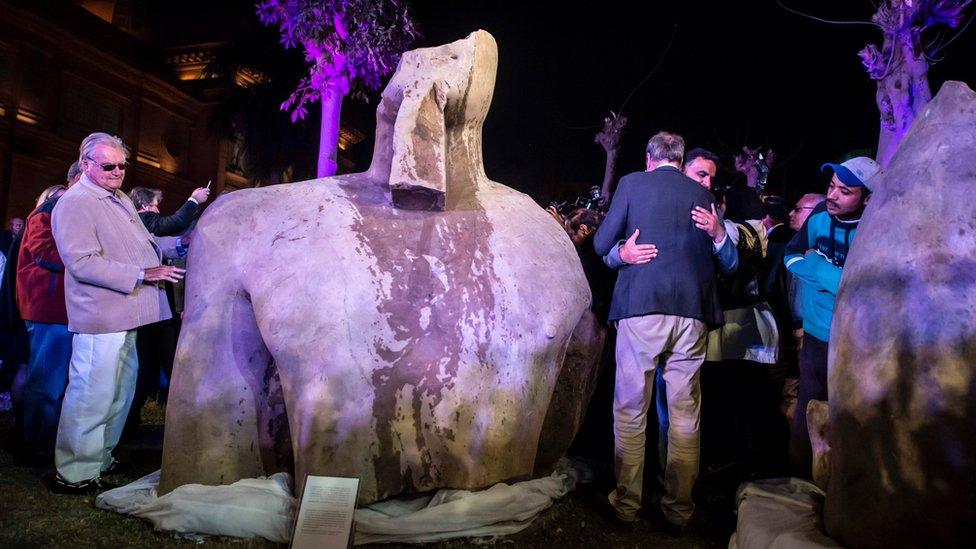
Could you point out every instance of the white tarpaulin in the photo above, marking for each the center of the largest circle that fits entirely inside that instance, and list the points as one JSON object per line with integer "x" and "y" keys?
{"x": 265, "y": 507}
{"x": 500, "y": 510}
{"x": 250, "y": 507}
{"x": 779, "y": 513}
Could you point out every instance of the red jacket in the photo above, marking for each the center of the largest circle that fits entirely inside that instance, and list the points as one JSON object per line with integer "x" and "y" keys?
{"x": 40, "y": 272}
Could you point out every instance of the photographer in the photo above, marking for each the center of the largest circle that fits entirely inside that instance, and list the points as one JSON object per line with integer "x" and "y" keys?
{"x": 156, "y": 342}
{"x": 742, "y": 198}
{"x": 147, "y": 202}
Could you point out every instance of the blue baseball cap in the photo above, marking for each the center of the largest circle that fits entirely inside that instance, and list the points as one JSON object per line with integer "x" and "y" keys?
{"x": 855, "y": 172}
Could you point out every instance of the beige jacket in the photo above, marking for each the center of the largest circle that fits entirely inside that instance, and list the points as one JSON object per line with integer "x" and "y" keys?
{"x": 105, "y": 247}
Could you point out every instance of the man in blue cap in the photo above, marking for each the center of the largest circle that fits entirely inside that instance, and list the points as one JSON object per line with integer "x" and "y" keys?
{"x": 816, "y": 255}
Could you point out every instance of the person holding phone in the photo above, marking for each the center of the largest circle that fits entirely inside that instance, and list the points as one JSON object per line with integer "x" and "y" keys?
{"x": 147, "y": 202}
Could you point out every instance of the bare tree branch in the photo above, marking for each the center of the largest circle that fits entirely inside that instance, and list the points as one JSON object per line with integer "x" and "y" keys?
{"x": 953, "y": 39}
{"x": 728, "y": 149}
{"x": 822, "y": 20}
{"x": 667, "y": 48}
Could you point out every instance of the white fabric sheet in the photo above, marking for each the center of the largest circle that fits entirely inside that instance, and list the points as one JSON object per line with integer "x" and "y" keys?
{"x": 262, "y": 507}
{"x": 265, "y": 507}
{"x": 779, "y": 514}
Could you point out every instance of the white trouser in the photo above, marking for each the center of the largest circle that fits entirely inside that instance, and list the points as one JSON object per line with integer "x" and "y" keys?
{"x": 101, "y": 382}
{"x": 678, "y": 345}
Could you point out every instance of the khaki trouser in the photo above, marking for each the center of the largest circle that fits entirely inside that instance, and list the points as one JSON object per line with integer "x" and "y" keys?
{"x": 679, "y": 344}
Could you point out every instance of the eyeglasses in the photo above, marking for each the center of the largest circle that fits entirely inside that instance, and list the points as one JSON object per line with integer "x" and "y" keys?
{"x": 111, "y": 167}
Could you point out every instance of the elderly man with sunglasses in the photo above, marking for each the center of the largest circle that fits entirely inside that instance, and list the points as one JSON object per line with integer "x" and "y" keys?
{"x": 113, "y": 276}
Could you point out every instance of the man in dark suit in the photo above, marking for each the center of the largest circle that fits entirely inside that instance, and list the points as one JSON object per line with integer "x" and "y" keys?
{"x": 664, "y": 310}
{"x": 156, "y": 342}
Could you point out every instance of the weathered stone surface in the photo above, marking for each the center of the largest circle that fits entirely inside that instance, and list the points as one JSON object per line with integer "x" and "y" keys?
{"x": 818, "y": 425}
{"x": 572, "y": 393}
{"x": 329, "y": 331}
{"x": 903, "y": 351}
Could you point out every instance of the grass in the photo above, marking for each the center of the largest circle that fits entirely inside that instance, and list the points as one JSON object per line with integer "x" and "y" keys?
{"x": 32, "y": 517}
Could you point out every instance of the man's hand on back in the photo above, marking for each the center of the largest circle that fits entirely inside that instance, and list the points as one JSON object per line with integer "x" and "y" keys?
{"x": 710, "y": 222}
{"x": 633, "y": 253}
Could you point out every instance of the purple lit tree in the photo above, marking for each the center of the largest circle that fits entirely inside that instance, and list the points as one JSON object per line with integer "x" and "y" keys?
{"x": 901, "y": 65}
{"x": 348, "y": 43}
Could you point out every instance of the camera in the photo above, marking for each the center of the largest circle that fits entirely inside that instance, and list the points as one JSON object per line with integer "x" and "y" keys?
{"x": 761, "y": 164}
{"x": 592, "y": 200}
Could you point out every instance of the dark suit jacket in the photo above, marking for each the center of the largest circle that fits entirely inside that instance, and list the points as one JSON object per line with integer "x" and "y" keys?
{"x": 681, "y": 280}
{"x": 6, "y": 239}
{"x": 775, "y": 285}
{"x": 14, "y": 346}
{"x": 170, "y": 225}
{"x": 775, "y": 288}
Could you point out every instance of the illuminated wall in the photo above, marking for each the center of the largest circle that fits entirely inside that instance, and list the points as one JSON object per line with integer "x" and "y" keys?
{"x": 55, "y": 88}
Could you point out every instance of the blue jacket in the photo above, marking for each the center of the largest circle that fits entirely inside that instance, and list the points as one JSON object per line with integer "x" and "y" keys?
{"x": 820, "y": 271}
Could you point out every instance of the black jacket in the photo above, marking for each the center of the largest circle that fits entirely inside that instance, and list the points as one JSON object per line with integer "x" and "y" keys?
{"x": 170, "y": 225}
{"x": 774, "y": 283}
{"x": 14, "y": 345}
{"x": 742, "y": 203}
{"x": 6, "y": 239}
{"x": 681, "y": 280}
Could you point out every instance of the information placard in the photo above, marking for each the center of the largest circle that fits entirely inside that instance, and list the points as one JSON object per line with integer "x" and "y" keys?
{"x": 326, "y": 512}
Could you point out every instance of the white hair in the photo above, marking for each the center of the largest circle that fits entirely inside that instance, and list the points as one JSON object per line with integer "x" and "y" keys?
{"x": 100, "y": 138}
{"x": 814, "y": 196}
{"x": 668, "y": 147}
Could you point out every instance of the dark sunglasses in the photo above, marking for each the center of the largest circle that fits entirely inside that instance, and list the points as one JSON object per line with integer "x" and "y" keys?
{"x": 111, "y": 167}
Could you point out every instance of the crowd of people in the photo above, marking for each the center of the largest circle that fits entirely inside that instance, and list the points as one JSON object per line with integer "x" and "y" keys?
{"x": 719, "y": 316}
{"x": 89, "y": 283}
{"x": 719, "y": 303}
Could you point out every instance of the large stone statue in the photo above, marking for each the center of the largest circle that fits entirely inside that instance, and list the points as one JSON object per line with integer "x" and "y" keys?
{"x": 903, "y": 346}
{"x": 406, "y": 325}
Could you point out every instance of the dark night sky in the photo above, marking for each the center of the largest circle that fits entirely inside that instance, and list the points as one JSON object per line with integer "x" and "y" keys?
{"x": 736, "y": 73}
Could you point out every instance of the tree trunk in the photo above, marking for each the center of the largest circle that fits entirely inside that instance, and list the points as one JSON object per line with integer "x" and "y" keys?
{"x": 329, "y": 132}
{"x": 608, "y": 172}
{"x": 902, "y": 93}
{"x": 609, "y": 139}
